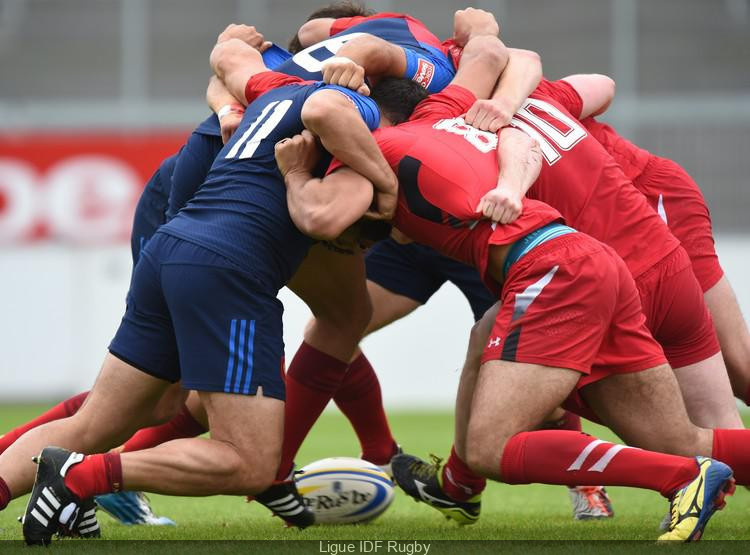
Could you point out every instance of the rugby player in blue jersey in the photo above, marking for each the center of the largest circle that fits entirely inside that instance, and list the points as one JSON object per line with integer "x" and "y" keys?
{"x": 202, "y": 309}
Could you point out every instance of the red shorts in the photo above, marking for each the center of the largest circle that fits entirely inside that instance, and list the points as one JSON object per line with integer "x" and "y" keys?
{"x": 676, "y": 312}
{"x": 678, "y": 200}
{"x": 572, "y": 303}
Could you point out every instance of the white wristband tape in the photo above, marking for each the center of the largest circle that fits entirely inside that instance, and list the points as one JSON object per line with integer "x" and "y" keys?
{"x": 227, "y": 108}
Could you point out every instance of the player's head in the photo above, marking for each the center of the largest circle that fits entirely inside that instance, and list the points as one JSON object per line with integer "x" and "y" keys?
{"x": 397, "y": 97}
{"x": 345, "y": 8}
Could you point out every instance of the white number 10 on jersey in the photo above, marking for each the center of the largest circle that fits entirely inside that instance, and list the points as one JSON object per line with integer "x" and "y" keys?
{"x": 551, "y": 138}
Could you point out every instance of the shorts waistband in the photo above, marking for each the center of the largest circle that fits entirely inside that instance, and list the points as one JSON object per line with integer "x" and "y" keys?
{"x": 537, "y": 237}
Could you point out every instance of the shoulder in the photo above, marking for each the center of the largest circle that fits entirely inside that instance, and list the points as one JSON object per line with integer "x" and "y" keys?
{"x": 265, "y": 81}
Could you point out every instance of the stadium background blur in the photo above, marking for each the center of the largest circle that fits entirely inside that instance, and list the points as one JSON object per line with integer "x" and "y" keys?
{"x": 94, "y": 93}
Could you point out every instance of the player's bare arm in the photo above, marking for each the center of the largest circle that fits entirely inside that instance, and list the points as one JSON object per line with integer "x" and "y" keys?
{"x": 596, "y": 92}
{"x": 225, "y": 106}
{"x": 483, "y": 60}
{"x": 520, "y": 78}
{"x": 314, "y": 31}
{"x": 321, "y": 208}
{"x": 519, "y": 161}
{"x": 247, "y": 34}
{"x": 473, "y": 22}
{"x": 333, "y": 117}
{"x": 365, "y": 55}
{"x": 234, "y": 62}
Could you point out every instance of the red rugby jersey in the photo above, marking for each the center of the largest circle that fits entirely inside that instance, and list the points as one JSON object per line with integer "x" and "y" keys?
{"x": 582, "y": 181}
{"x": 631, "y": 158}
{"x": 444, "y": 168}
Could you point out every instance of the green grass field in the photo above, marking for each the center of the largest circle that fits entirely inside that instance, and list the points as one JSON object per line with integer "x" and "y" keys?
{"x": 508, "y": 512}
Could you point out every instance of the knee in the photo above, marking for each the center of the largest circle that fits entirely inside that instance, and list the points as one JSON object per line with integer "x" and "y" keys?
{"x": 259, "y": 480}
{"x": 245, "y": 475}
{"x": 347, "y": 321}
{"x": 688, "y": 442}
{"x": 482, "y": 456}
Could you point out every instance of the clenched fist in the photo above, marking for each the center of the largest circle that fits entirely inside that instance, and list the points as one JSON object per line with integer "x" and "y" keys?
{"x": 247, "y": 34}
{"x": 345, "y": 73}
{"x": 489, "y": 115}
{"x": 473, "y": 22}
{"x": 501, "y": 205}
{"x": 299, "y": 154}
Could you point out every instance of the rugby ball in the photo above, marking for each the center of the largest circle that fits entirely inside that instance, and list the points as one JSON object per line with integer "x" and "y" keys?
{"x": 343, "y": 490}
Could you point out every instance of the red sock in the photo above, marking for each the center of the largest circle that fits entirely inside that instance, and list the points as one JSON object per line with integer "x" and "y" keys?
{"x": 311, "y": 381}
{"x": 182, "y": 425}
{"x": 360, "y": 399}
{"x": 733, "y": 448}
{"x": 95, "y": 475}
{"x": 459, "y": 482}
{"x": 62, "y": 410}
{"x": 573, "y": 458}
{"x": 4, "y": 494}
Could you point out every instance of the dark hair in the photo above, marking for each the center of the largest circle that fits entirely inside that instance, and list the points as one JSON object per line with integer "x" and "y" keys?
{"x": 374, "y": 230}
{"x": 345, "y": 8}
{"x": 397, "y": 97}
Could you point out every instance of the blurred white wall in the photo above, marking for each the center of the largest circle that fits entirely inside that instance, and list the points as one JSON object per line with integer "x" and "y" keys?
{"x": 61, "y": 305}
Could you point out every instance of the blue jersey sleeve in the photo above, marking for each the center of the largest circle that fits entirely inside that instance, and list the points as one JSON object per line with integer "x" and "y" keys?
{"x": 209, "y": 126}
{"x": 367, "y": 107}
{"x": 191, "y": 168}
{"x": 274, "y": 56}
{"x": 432, "y": 70}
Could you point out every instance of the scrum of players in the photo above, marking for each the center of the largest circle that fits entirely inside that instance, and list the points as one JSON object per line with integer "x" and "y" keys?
{"x": 363, "y": 169}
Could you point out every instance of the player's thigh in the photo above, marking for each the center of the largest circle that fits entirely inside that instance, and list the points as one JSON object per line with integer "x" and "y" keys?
{"x": 400, "y": 278}
{"x": 509, "y": 398}
{"x": 708, "y": 395}
{"x": 332, "y": 284}
{"x": 122, "y": 401}
{"x": 253, "y": 425}
{"x": 387, "y": 306}
{"x": 646, "y": 410}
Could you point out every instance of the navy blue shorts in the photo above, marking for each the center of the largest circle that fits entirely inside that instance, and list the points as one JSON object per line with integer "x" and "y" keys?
{"x": 417, "y": 272}
{"x": 194, "y": 316}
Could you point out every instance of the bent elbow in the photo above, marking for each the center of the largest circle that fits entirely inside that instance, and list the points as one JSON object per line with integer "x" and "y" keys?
{"x": 492, "y": 49}
{"x": 321, "y": 109}
{"x": 611, "y": 86}
{"x": 316, "y": 223}
{"x": 225, "y": 54}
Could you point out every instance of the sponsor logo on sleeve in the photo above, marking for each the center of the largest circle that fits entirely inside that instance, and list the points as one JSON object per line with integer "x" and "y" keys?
{"x": 425, "y": 73}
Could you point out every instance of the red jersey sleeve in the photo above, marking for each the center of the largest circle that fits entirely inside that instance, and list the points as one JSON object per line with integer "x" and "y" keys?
{"x": 265, "y": 81}
{"x": 343, "y": 23}
{"x": 452, "y": 102}
{"x": 564, "y": 93}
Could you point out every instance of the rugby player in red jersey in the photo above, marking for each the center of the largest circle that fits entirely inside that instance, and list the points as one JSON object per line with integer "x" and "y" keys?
{"x": 314, "y": 376}
{"x": 675, "y": 196}
{"x": 440, "y": 190}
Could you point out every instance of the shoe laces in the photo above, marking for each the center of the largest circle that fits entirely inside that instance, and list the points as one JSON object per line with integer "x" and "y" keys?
{"x": 425, "y": 470}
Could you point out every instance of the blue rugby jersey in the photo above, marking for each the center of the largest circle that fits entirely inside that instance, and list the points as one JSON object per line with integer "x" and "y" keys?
{"x": 202, "y": 146}
{"x": 240, "y": 212}
{"x": 427, "y": 62}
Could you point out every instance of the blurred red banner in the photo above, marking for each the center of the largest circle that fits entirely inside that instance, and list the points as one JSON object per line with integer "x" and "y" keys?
{"x": 76, "y": 187}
